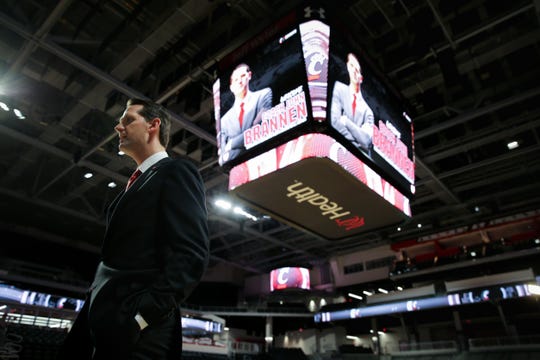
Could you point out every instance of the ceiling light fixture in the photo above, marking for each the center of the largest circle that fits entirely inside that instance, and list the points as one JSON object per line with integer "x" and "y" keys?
{"x": 112, "y": 184}
{"x": 534, "y": 289}
{"x": 88, "y": 175}
{"x": 224, "y": 204}
{"x": 355, "y": 296}
{"x": 512, "y": 145}
{"x": 240, "y": 211}
{"x": 19, "y": 114}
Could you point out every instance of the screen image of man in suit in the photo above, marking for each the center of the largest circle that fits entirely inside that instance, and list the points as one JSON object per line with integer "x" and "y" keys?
{"x": 154, "y": 252}
{"x": 245, "y": 112}
{"x": 350, "y": 114}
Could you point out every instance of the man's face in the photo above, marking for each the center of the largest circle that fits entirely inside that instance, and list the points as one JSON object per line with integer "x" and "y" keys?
{"x": 353, "y": 67}
{"x": 240, "y": 80}
{"x": 132, "y": 130}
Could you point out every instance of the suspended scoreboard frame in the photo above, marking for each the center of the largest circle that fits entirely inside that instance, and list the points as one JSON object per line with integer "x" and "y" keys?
{"x": 295, "y": 165}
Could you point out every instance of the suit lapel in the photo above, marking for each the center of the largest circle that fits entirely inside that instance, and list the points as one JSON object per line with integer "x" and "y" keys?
{"x": 137, "y": 185}
{"x": 112, "y": 206}
{"x": 134, "y": 188}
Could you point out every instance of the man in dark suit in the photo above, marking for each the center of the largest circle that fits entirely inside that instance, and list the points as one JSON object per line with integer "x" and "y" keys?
{"x": 350, "y": 114}
{"x": 246, "y": 111}
{"x": 155, "y": 250}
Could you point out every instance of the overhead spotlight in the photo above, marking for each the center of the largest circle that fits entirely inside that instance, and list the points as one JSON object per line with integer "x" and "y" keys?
{"x": 19, "y": 114}
{"x": 112, "y": 184}
{"x": 223, "y": 204}
{"x": 399, "y": 288}
{"x": 407, "y": 117}
{"x": 512, "y": 145}
{"x": 534, "y": 289}
{"x": 419, "y": 226}
{"x": 4, "y": 106}
{"x": 384, "y": 291}
{"x": 121, "y": 153}
{"x": 367, "y": 293}
{"x": 399, "y": 228}
{"x": 88, "y": 175}
{"x": 355, "y": 296}
{"x": 226, "y": 205}
{"x": 476, "y": 209}
{"x": 240, "y": 211}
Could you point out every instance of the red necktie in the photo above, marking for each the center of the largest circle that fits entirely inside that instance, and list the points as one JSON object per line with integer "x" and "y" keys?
{"x": 241, "y": 115}
{"x": 133, "y": 177}
{"x": 354, "y": 105}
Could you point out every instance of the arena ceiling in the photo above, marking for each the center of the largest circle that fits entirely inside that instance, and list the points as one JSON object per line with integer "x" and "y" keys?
{"x": 468, "y": 71}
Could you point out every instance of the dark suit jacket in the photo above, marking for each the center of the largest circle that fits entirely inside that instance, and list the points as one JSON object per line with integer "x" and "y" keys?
{"x": 342, "y": 105}
{"x": 155, "y": 251}
{"x": 255, "y": 104}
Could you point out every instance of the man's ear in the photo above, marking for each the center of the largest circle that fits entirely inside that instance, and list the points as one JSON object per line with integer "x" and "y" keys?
{"x": 154, "y": 123}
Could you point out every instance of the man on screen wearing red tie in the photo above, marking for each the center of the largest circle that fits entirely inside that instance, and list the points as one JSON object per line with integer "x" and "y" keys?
{"x": 350, "y": 114}
{"x": 154, "y": 252}
{"x": 246, "y": 111}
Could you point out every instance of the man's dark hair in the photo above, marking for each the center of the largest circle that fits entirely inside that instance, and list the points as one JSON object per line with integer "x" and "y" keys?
{"x": 242, "y": 65}
{"x": 351, "y": 55}
{"x": 151, "y": 110}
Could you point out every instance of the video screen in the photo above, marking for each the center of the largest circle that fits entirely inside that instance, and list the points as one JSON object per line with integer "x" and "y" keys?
{"x": 367, "y": 115}
{"x": 289, "y": 278}
{"x": 307, "y": 74}
{"x": 201, "y": 324}
{"x": 261, "y": 93}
